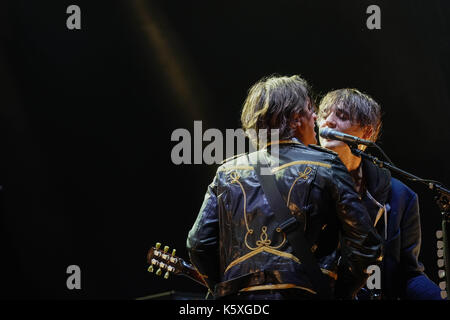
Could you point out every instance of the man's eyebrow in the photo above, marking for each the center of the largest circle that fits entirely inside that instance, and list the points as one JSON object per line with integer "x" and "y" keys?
{"x": 342, "y": 109}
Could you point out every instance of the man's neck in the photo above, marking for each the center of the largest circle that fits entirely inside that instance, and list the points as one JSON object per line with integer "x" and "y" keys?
{"x": 353, "y": 165}
{"x": 351, "y": 161}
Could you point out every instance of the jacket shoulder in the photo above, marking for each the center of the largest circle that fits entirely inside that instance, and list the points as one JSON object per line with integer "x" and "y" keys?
{"x": 319, "y": 148}
{"x": 399, "y": 188}
{"x": 239, "y": 161}
{"x": 233, "y": 157}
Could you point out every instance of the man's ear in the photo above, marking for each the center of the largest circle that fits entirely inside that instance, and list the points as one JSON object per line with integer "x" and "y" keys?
{"x": 296, "y": 121}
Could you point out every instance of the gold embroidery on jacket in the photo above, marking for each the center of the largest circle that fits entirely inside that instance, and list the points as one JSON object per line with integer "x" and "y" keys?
{"x": 277, "y": 287}
{"x": 259, "y": 250}
{"x": 314, "y": 163}
{"x": 236, "y": 168}
{"x": 292, "y": 207}
{"x": 264, "y": 243}
{"x": 263, "y": 238}
{"x": 302, "y": 175}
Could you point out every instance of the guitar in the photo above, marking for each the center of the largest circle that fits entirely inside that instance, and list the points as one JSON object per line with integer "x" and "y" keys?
{"x": 170, "y": 263}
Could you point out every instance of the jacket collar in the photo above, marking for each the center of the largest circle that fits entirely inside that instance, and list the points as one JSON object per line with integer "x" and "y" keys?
{"x": 377, "y": 180}
{"x": 286, "y": 141}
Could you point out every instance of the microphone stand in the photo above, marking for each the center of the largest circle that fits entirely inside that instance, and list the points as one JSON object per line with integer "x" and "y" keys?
{"x": 442, "y": 199}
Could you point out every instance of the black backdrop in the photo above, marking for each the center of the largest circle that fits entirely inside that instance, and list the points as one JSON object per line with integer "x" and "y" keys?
{"x": 87, "y": 117}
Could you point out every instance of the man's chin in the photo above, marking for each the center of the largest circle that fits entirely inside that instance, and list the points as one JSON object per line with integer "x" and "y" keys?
{"x": 330, "y": 144}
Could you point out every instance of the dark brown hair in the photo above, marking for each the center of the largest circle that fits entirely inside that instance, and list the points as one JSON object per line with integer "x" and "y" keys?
{"x": 362, "y": 109}
{"x": 273, "y": 101}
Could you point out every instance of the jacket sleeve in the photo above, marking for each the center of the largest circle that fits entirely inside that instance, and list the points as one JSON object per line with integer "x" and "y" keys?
{"x": 360, "y": 244}
{"x": 203, "y": 238}
{"x": 418, "y": 285}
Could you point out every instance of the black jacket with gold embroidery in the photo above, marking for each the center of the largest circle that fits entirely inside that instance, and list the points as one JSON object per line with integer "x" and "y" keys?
{"x": 236, "y": 233}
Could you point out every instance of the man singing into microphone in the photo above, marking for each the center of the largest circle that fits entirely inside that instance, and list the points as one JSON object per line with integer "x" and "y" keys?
{"x": 393, "y": 207}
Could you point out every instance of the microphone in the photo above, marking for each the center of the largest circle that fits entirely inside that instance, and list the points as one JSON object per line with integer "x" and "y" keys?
{"x": 331, "y": 134}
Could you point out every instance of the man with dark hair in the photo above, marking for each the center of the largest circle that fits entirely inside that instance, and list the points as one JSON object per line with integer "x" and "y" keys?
{"x": 393, "y": 207}
{"x": 237, "y": 242}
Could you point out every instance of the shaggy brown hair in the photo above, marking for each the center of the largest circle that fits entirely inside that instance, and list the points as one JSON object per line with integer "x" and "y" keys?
{"x": 363, "y": 110}
{"x": 272, "y": 103}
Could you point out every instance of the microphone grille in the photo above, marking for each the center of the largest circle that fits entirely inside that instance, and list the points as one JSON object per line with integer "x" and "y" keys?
{"x": 325, "y": 132}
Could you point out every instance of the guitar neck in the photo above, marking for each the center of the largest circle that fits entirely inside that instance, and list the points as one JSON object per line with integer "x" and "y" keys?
{"x": 191, "y": 272}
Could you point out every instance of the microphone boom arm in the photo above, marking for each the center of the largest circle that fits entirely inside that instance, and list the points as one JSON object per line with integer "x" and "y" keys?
{"x": 433, "y": 185}
{"x": 442, "y": 200}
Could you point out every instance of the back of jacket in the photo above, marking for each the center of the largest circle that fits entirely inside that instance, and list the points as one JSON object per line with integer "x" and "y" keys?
{"x": 236, "y": 232}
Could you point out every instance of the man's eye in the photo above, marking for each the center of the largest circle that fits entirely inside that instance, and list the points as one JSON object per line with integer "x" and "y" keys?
{"x": 342, "y": 115}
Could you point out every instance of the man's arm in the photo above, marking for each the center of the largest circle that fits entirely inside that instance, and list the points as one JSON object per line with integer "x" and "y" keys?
{"x": 361, "y": 245}
{"x": 203, "y": 239}
{"x": 418, "y": 286}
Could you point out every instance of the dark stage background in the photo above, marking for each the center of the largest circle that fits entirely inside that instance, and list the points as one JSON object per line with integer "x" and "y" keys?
{"x": 87, "y": 117}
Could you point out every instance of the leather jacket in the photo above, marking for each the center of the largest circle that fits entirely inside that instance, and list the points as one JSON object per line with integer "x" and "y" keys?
{"x": 236, "y": 233}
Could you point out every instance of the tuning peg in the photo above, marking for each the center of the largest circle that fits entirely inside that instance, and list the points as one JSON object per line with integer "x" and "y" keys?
{"x": 150, "y": 269}
{"x": 440, "y": 263}
{"x": 166, "y": 275}
{"x": 440, "y": 253}
{"x": 166, "y": 248}
{"x": 444, "y": 294}
{"x": 442, "y": 285}
{"x": 439, "y": 234}
{"x": 158, "y": 245}
{"x": 158, "y": 272}
{"x": 441, "y": 274}
{"x": 173, "y": 252}
{"x": 440, "y": 244}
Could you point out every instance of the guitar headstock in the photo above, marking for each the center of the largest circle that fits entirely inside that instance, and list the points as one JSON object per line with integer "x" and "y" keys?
{"x": 164, "y": 261}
